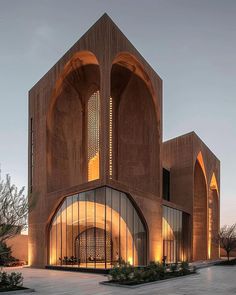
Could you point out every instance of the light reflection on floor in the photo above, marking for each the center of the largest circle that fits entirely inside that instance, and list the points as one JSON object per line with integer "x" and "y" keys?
{"x": 100, "y": 265}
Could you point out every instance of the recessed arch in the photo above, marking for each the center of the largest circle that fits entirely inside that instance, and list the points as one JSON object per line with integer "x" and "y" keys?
{"x": 73, "y": 122}
{"x": 134, "y": 149}
{"x": 200, "y": 210}
{"x": 213, "y": 215}
{"x": 130, "y": 62}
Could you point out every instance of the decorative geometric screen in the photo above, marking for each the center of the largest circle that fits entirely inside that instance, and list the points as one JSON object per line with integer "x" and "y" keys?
{"x": 93, "y": 136}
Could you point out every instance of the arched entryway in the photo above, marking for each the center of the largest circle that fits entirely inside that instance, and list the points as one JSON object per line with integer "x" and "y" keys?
{"x": 97, "y": 229}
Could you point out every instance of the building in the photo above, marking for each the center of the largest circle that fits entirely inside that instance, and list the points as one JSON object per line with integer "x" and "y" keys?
{"x": 107, "y": 187}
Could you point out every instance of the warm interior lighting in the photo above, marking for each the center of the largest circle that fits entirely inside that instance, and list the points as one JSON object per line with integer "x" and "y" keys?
{"x": 175, "y": 234}
{"x": 98, "y": 228}
{"x": 93, "y": 136}
{"x": 93, "y": 167}
{"x": 130, "y": 260}
{"x": 167, "y": 232}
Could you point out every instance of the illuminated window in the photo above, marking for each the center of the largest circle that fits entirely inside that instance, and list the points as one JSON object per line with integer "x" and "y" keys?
{"x": 93, "y": 136}
{"x": 110, "y": 137}
{"x": 97, "y": 229}
{"x": 175, "y": 234}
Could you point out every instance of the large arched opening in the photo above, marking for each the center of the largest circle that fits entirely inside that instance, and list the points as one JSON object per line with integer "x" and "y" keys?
{"x": 200, "y": 211}
{"x": 134, "y": 131}
{"x": 97, "y": 229}
{"x": 73, "y": 123}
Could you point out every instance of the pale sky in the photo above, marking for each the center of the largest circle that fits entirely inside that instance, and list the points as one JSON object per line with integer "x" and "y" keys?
{"x": 191, "y": 44}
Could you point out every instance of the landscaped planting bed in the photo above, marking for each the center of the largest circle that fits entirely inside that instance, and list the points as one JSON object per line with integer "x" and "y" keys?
{"x": 126, "y": 274}
{"x": 11, "y": 281}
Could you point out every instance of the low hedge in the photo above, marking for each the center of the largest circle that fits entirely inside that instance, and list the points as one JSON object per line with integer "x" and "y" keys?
{"x": 124, "y": 273}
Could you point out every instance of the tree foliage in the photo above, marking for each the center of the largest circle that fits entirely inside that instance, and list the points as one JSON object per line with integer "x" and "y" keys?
{"x": 13, "y": 209}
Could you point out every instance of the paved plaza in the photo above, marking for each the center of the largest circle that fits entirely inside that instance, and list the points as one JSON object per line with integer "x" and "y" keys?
{"x": 210, "y": 280}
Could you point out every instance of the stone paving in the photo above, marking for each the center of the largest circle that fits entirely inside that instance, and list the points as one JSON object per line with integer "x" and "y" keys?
{"x": 210, "y": 280}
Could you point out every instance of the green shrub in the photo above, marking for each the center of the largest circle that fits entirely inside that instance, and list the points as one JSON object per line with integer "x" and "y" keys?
{"x": 10, "y": 280}
{"x": 125, "y": 273}
{"x": 184, "y": 268}
{"x": 157, "y": 270}
{"x": 122, "y": 272}
{"x": 5, "y": 254}
{"x": 15, "y": 279}
{"x": 174, "y": 267}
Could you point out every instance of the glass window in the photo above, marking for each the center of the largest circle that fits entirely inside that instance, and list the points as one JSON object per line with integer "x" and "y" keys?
{"x": 166, "y": 184}
{"x": 175, "y": 235}
{"x": 97, "y": 229}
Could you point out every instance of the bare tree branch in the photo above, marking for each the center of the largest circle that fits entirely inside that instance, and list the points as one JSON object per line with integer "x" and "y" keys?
{"x": 227, "y": 238}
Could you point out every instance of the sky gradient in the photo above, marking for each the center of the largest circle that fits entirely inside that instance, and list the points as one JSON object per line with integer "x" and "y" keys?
{"x": 190, "y": 44}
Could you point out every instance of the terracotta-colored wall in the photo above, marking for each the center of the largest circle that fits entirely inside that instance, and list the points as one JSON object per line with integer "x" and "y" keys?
{"x": 106, "y": 45}
{"x": 199, "y": 215}
{"x": 185, "y": 156}
{"x": 138, "y": 153}
{"x": 19, "y": 247}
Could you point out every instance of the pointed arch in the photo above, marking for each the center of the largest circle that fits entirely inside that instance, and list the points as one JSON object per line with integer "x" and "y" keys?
{"x": 134, "y": 148}
{"x": 73, "y": 124}
{"x": 213, "y": 215}
{"x": 200, "y": 210}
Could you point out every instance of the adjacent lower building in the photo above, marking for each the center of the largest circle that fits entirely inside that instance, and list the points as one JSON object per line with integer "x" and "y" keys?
{"x": 107, "y": 188}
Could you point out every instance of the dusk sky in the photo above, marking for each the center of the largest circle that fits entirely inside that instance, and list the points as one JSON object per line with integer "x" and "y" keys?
{"x": 191, "y": 44}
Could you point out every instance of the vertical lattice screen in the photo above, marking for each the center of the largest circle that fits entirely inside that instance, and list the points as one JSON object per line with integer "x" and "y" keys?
{"x": 93, "y": 136}
{"x": 110, "y": 137}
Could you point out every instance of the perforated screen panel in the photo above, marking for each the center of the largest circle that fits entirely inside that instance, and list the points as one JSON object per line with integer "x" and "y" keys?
{"x": 93, "y": 136}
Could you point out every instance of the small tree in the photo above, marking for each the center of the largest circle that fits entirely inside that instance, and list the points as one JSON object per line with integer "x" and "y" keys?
{"x": 227, "y": 238}
{"x": 14, "y": 208}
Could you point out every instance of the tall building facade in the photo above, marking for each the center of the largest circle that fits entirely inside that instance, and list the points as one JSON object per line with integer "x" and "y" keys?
{"x": 106, "y": 187}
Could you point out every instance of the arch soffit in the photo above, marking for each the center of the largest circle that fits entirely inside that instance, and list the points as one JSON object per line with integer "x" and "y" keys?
{"x": 79, "y": 59}
{"x": 131, "y": 62}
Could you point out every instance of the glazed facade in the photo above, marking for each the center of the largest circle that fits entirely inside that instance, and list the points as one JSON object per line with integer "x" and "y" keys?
{"x": 97, "y": 229}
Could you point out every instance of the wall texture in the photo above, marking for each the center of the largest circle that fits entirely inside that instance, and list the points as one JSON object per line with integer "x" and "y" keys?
{"x": 19, "y": 247}
{"x": 195, "y": 186}
{"x": 105, "y": 59}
